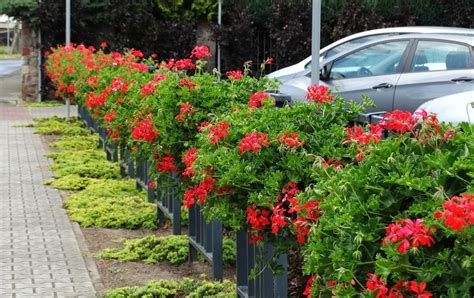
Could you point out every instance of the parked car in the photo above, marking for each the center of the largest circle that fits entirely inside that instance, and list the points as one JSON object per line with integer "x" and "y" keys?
{"x": 400, "y": 72}
{"x": 455, "y": 108}
{"x": 358, "y": 39}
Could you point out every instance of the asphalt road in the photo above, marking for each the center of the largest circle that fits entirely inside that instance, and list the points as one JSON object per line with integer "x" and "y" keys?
{"x": 7, "y": 67}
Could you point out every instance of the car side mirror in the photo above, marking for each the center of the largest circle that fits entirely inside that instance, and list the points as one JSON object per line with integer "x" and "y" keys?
{"x": 324, "y": 73}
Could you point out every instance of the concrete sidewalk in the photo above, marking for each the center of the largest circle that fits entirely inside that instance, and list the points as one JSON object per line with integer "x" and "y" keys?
{"x": 40, "y": 255}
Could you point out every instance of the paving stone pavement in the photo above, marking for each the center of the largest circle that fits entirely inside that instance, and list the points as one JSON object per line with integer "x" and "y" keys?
{"x": 39, "y": 252}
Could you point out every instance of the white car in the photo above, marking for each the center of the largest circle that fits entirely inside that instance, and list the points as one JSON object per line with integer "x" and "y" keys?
{"x": 455, "y": 108}
{"x": 355, "y": 40}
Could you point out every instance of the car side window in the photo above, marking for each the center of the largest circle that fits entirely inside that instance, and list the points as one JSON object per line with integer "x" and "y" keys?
{"x": 438, "y": 55}
{"x": 379, "y": 59}
{"x": 351, "y": 44}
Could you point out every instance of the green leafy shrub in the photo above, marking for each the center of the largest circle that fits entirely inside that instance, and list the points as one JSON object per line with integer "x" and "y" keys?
{"x": 153, "y": 249}
{"x": 183, "y": 288}
{"x": 70, "y": 182}
{"x": 399, "y": 185}
{"x": 111, "y": 204}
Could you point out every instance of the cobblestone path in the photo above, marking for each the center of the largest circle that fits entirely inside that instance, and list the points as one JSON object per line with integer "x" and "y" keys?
{"x": 39, "y": 252}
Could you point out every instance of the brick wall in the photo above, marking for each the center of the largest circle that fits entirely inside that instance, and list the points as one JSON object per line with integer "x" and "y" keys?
{"x": 29, "y": 71}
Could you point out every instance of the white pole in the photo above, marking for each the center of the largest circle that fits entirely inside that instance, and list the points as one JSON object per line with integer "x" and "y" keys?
{"x": 316, "y": 41}
{"x": 68, "y": 41}
{"x": 39, "y": 67}
{"x": 219, "y": 22}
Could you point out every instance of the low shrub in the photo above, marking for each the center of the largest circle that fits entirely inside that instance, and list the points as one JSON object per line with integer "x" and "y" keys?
{"x": 111, "y": 204}
{"x": 153, "y": 249}
{"x": 183, "y": 288}
{"x": 70, "y": 182}
{"x": 76, "y": 143}
{"x": 84, "y": 163}
{"x": 59, "y": 126}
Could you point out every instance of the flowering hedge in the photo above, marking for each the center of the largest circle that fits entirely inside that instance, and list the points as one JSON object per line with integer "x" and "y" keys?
{"x": 373, "y": 216}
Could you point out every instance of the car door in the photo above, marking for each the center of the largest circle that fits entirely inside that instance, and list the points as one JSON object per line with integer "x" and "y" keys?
{"x": 437, "y": 68}
{"x": 372, "y": 71}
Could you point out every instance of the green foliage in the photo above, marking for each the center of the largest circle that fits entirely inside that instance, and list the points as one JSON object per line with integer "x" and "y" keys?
{"x": 70, "y": 182}
{"x": 400, "y": 177}
{"x": 22, "y": 10}
{"x": 56, "y": 125}
{"x": 181, "y": 10}
{"x": 183, "y": 288}
{"x": 153, "y": 249}
{"x": 111, "y": 204}
{"x": 43, "y": 104}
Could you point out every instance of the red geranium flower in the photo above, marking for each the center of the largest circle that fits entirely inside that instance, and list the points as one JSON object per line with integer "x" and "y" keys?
{"x": 256, "y": 99}
{"x": 253, "y": 142}
{"x": 165, "y": 164}
{"x": 235, "y": 75}
{"x": 408, "y": 233}
{"x": 200, "y": 52}
{"x": 218, "y": 132}
{"x": 319, "y": 94}
{"x": 458, "y": 212}
{"x": 188, "y": 83}
{"x": 144, "y": 131}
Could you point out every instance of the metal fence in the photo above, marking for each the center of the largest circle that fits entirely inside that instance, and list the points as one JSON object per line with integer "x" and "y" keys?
{"x": 168, "y": 203}
{"x": 206, "y": 239}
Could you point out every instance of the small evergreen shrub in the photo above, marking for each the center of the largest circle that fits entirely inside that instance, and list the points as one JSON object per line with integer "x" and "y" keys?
{"x": 183, "y": 288}
{"x": 152, "y": 249}
{"x": 111, "y": 204}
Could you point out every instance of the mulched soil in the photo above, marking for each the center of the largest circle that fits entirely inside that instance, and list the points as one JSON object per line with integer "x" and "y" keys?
{"x": 116, "y": 274}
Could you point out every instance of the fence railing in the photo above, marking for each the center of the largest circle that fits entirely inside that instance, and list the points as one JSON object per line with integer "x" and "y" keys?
{"x": 266, "y": 283}
{"x": 206, "y": 239}
{"x": 127, "y": 165}
{"x": 168, "y": 202}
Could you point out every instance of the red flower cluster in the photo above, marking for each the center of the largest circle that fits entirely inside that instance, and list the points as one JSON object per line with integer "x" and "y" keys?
{"x": 319, "y": 94}
{"x": 145, "y": 131}
{"x": 110, "y": 116}
{"x": 151, "y": 185}
{"x": 189, "y": 158}
{"x": 253, "y": 142}
{"x": 235, "y": 75}
{"x": 183, "y": 64}
{"x": 409, "y": 232}
{"x": 93, "y": 101}
{"x": 258, "y": 220}
{"x": 399, "y": 290}
{"x": 137, "y": 53}
{"x": 218, "y": 132}
{"x": 185, "y": 109}
{"x": 458, "y": 212}
{"x": 203, "y": 125}
{"x": 147, "y": 89}
{"x": 199, "y": 192}
{"x": 256, "y": 99}
{"x": 290, "y": 140}
{"x": 188, "y": 83}
{"x": 399, "y": 121}
{"x": 200, "y": 52}
{"x": 357, "y": 134}
{"x": 159, "y": 77}
{"x": 165, "y": 164}
{"x": 309, "y": 286}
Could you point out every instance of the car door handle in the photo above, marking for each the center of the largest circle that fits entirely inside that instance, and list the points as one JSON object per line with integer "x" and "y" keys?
{"x": 382, "y": 86}
{"x": 462, "y": 79}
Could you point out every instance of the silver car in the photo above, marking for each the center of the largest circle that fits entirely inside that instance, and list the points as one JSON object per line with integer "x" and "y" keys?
{"x": 400, "y": 72}
{"x": 358, "y": 39}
